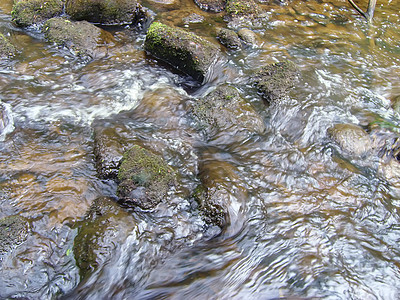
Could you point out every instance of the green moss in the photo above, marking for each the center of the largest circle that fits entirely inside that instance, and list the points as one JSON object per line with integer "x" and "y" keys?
{"x": 6, "y": 48}
{"x": 140, "y": 169}
{"x": 183, "y": 50}
{"x": 29, "y": 12}
{"x": 241, "y": 7}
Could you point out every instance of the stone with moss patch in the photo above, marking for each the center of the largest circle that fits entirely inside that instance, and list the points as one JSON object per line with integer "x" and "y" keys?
{"x": 29, "y": 12}
{"x": 79, "y": 37}
{"x": 275, "y": 80}
{"x": 225, "y": 110}
{"x": 6, "y": 48}
{"x": 13, "y": 231}
{"x": 183, "y": 50}
{"x": 248, "y": 8}
{"x": 106, "y": 12}
{"x": 144, "y": 178}
{"x": 105, "y": 225}
{"x": 229, "y": 38}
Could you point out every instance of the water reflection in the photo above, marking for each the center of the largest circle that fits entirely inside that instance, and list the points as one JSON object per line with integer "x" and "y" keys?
{"x": 306, "y": 218}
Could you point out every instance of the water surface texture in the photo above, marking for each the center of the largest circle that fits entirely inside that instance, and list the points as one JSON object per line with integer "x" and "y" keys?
{"x": 306, "y": 219}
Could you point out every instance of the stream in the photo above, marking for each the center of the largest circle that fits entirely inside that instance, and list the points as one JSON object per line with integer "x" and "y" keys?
{"x": 306, "y": 221}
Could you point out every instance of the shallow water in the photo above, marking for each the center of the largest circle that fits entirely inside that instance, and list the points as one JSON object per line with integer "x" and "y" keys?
{"x": 306, "y": 220}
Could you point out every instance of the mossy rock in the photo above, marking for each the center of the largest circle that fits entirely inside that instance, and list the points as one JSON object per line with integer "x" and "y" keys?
{"x": 29, "y": 12}
{"x": 106, "y": 12}
{"x": 275, "y": 80}
{"x": 248, "y": 36}
{"x": 6, "y": 48}
{"x": 183, "y": 50}
{"x": 105, "y": 225}
{"x": 13, "y": 232}
{"x": 225, "y": 110}
{"x": 81, "y": 38}
{"x": 241, "y": 8}
{"x": 229, "y": 38}
{"x": 351, "y": 138}
{"x": 144, "y": 178}
{"x": 211, "y": 5}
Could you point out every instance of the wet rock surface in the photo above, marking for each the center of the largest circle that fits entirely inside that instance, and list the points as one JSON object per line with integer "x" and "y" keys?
{"x": 79, "y": 37}
{"x": 13, "y": 232}
{"x": 114, "y": 12}
{"x": 183, "y": 50}
{"x": 29, "y": 12}
{"x": 351, "y": 138}
{"x": 144, "y": 177}
{"x": 229, "y": 38}
{"x": 211, "y": 5}
{"x": 7, "y": 49}
{"x": 224, "y": 110}
{"x": 274, "y": 81}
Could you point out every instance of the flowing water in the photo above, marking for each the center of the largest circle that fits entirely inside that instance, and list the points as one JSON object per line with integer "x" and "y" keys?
{"x": 305, "y": 220}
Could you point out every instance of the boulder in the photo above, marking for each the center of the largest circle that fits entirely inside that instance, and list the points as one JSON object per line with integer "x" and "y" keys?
{"x": 225, "y": 110}
{"x": 13, "y": 232}
{"x": 183, "y": 50}
{"x": 229, "y": 38}
{"x": 29, "y": 12}
{"x": 144, "y": 178}
{"x": 352, "y": 139}
{"x": 211, "y": 5}
{"x": 6, "y": 48}
{"x": 275, "y": 80}
{"x": 79, "y": 37}
{"x": 248, "y": 36}
{"x": 105, "y": 226}
{"x": 243, "y": 8}
{"x": 106, "y": 12}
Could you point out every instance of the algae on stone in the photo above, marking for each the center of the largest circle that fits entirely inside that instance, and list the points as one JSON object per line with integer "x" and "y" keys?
{"x": 106, "y": 12}
{"x": 144, "y": 178}
{"x": 6, "y": 48}
{"x": 181, "y": 49}
{"x": 275, "y": 80}
{"x": 225, "y": 110}
{"x": 29, "y": 12}
{"x": 82, "y": 38}
{"x": 248, "y": 8}
{"x": 229, "y": 38}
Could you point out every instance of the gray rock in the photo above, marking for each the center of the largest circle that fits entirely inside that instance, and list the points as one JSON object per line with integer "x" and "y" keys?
{"x": 211, "y": 5}
{"x": 7, "y": 49}
{"x": 229, "y": 38}
{"x": 13, "y": 232}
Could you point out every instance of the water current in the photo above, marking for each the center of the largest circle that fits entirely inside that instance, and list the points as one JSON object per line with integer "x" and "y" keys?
{"x": 305, "y": 220}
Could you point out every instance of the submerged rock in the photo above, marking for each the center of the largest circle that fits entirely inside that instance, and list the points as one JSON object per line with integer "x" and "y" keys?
{"x": 211, "y": 5}
{"x": 229, "y": 38}
{"x": 29, "y": 12}
{"x": 13, "y": 232}
{"x": 225, "y": 110}
{"x": 181, "y": 49}
{"x": 275, "y": 80}
{"x": 144, "y": 178}
{"x": 105, "y": 226}
{"x": 220, "y": 194}
{"x": 106, "y": 12}
{"x": 248, "y": 36}
{"x": 351, "y": 138}
{"x": 6, "y": 48}
{"x": 81, "y": 38}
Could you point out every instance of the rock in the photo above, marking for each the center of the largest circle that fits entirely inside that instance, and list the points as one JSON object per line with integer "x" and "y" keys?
{"x": 80, "y": 38}
{"x": 225, "y": 110}
{"x": 229, "y": 38}
{"x": 105, "y": 226}
{"x": 163, "y": 5}
{"x": 181, "y": 49}
{"x": 6, "y": 48}
{"x": 211, "y": 5}
{"x": 144, "y": 178}
{"x": 243, "y": 8}
{"x": 29, "y": 12}
{"x": 108, "y": 151}
{"x": 6, "y": 120}
{"x": 248, "y": 36}
{"x": 106, "y": 12}
{"x": 219, "y": 192}
{"x": 275, "y": 80}
{"x": 351, "y": 138}
{"x": 13, "y": 232}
